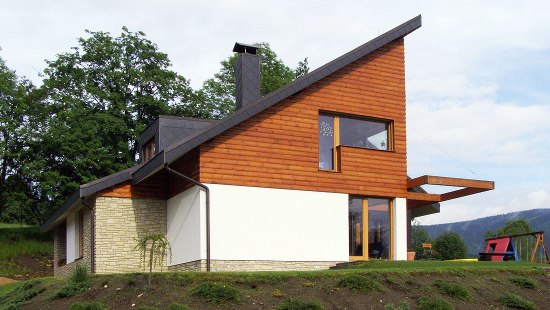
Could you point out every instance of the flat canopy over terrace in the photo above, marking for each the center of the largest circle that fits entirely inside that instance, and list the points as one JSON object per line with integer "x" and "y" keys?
{"x": 469, "y": 187}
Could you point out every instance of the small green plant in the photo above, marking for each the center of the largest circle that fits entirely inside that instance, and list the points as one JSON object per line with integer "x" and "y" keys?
{"x": 183, "y": 279}
{"x": 217, "y": 292}
{"x": 300, "y": 304}
{"x": 153, "y": 249}
{"x": 453, "y": 290}
{"x": 523, "y": 282}
{"x": 515, "y": 301}
{"x": 308, "y": 284}
{"x": 148, "y": 308}
{"x": 80, "y": 274}
{"x": 174, "y": 306}
{"x": 434, "y": 303}
{"x": 278, "y": 293}
{"x": 88, "y": 306}
{"x": 79, "y": 281}
{"x": 402, "y": 306}
{"x": 359, "y": 283}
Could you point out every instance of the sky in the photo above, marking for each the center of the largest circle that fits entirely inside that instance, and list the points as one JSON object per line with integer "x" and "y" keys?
{"x": 477, "y": 72}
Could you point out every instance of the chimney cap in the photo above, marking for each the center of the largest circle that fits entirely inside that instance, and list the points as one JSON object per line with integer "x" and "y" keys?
{"x": 245, "y": 48}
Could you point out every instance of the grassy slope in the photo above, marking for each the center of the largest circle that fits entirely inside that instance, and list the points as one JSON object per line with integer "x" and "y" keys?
{"x": 22, "y": 244}
{"x": 387, "y": 283}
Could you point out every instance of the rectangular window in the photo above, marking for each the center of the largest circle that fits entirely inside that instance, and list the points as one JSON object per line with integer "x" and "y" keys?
{"x": 364, "y": 133}
{"x": 149, "y": 150}
{"x": 80, "y": 234}
{"x": 326, "y": 142}
{"x": 337, "y": 130}
{"x": 369, "y": 221}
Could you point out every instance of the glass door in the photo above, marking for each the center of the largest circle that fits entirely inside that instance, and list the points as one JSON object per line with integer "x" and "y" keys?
{"x": 369, "y": 221}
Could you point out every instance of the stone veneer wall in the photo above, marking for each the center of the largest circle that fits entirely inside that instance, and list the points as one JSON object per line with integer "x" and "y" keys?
{"x": 60, "y": 246}
{"x": 119, "y": 223}
{"x": 251, "y": 265}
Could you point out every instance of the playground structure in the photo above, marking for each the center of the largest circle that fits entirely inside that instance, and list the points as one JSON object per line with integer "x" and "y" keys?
{"x": 505, "y": 248}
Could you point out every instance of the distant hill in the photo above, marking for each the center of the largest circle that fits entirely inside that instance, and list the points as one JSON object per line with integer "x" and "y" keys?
{"x": 473, "y": 232}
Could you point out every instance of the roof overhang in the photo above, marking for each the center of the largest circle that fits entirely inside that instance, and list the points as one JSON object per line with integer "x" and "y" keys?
{"x": 84, "y": 190}
{"x": 468, "y": 187}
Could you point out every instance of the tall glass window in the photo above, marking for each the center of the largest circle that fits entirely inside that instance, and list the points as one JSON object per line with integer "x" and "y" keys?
{"x": 379, "y": 228}
{"x": 369, "y": 228}
{"x": 364, "y": 133}
{"x": 326, "y": 142}
{"x": 355, "y": 217}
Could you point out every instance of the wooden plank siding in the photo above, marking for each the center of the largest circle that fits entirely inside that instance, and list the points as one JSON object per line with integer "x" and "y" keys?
{"x": 278, "y": 148}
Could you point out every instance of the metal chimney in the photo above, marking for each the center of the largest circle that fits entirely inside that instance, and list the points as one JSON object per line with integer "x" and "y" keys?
{"x": 247, "y": 73}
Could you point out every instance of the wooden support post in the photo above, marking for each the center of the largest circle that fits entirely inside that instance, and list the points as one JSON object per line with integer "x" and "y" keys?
{"x": 540, "y": 241}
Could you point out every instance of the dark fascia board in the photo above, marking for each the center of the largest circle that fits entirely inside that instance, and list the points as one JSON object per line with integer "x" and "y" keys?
{"x": 149, "y": 168}
{"x": 62, "y": 211}
{"x": 183, "y": 146}
{"x": 84, "y": 190}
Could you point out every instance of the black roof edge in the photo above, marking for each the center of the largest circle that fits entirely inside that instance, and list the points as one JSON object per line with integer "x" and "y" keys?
{"x": 87, "y": 189}
{"x": 183, "y": 146}
{"x": 153, "y": 165}
{"x": 65, "y": 207}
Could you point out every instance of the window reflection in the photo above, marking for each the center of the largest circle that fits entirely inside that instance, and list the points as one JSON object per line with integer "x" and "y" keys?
{"x": 379, "y": 228}
{"x": 364, "y": 133}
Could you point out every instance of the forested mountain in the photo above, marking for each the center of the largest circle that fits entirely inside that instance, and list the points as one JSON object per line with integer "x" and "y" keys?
{"x": 473, "y": 232}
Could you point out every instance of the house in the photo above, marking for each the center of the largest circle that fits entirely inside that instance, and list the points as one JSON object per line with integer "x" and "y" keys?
{"x": 308, "y": 176}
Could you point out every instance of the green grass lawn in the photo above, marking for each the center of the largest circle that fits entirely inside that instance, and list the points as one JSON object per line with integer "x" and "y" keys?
{"x": 17, "y": 241}
{"x": 432, "y": 265}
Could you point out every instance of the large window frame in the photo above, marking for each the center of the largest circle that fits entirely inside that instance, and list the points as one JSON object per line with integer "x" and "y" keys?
{"x": 337, "y": 130}
{"x": 365, "y": 230}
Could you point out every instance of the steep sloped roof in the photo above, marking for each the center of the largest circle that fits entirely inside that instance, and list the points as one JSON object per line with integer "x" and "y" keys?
{"x": 181, "y": 147}
{"x": 178, "y": 149}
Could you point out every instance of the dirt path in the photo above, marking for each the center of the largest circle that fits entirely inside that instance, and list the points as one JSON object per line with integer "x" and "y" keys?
{"x": 6, "y": 281}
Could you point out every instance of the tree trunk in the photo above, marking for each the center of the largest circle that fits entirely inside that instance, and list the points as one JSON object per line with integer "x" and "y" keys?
{"x": 4, "y": 171}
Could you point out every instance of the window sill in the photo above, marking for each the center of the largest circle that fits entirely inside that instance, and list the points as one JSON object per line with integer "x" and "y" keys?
{"x": 331, "y": 171}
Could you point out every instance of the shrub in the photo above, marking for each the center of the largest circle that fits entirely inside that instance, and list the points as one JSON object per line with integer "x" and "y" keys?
{"x": 78, "y": 282}
{"x": 217, "y": 293}
{"x": 80, "y": 274}
{"x": 524, "y": 282}
{"x": 88, "y": 306}
{"x": 174, "y": 306}
{"x": 434, "y": 303}
{"x": 450, "y": 245}
{"x": 359, "y": 283}
{"x": 402, "y": 306}
{"x": 515, "y": 301}
{"x": 300, "y": 304}
{"x": 453, "y": 290}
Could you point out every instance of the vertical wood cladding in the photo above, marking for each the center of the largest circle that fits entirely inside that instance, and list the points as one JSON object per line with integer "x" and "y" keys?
{"x": 278, "y": 148}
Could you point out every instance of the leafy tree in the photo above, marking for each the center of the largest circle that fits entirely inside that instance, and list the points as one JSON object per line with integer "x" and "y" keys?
{"x": 512, "y": 227}
{"x": 218, "y": 93}
{"x": 419, "y": 235}
{"x": 450, "y": 245}
{"x": 15, "y": 131}
{"x": 99, "y": 97}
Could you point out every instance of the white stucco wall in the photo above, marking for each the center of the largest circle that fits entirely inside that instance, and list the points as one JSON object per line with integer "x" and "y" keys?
{"x": 186, "y": 226}
{"x": 72, "y": 238}
{"x": 253, "y": 223}
{"x": 400, "y": 229}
